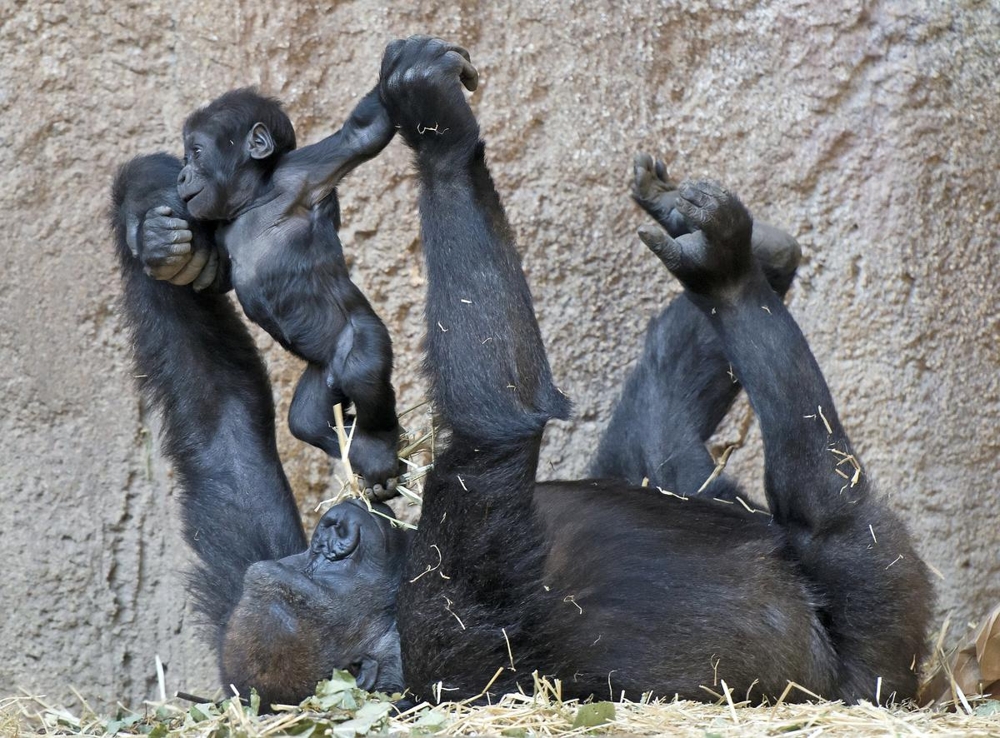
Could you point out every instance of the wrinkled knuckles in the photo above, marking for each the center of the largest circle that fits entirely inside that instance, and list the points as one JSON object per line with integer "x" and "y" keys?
{"x": 719, "y": 213}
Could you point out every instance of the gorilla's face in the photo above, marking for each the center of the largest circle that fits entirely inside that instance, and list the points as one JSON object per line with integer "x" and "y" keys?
{"x": 330, "y": 607}
{"x": 204, "y": 181}
{"x": 222, "y": 171}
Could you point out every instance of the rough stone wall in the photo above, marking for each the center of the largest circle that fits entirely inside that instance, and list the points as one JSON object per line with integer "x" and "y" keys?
{"x": 868, "y": 129}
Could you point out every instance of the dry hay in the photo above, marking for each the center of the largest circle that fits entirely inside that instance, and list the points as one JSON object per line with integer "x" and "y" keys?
{"x": 416, "y": 456}
{"x": 341, "y": 710}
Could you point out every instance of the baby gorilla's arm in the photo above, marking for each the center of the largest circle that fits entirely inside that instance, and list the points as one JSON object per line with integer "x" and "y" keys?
{"x": 314, "y": 171}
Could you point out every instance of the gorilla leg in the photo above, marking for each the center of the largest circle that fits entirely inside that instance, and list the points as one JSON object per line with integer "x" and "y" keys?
{"x": 683, "y": 385}
{"x": 670, "y": 404}
{"x": 492, "y": 387}
{"x": 358, "y": 374}
{"x": 873, "y": 588}
{"x": 310, "y": 416}
{"x": 199, "y": 366}
{"x": 362, "y": 367}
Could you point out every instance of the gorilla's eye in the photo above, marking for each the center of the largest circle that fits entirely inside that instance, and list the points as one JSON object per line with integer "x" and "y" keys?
{"x": 196, "y": 152}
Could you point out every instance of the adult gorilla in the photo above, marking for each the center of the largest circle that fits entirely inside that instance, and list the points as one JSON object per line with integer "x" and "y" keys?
{"x": 607, "y": 586}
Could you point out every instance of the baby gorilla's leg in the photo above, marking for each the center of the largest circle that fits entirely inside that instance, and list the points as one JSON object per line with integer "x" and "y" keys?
{"x": 362, "y": 367}
{"x": 310, "y": 418}
{"x": 372, "y": 452}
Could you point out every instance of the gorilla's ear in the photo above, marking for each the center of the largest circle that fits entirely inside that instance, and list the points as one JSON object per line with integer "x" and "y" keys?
{"x": 260, "y": 143}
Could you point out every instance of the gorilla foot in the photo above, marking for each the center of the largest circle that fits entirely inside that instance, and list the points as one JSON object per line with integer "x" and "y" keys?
{"x": 656, "y": 192}
{"x": 716, "y": 256}
{"x": 374, "y": 456}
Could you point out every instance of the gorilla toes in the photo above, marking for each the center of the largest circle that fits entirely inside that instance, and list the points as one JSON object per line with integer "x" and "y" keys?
{"x": 717, "y": 255}
{"x": 656, "y": 193}
{"x": 710, "y": 207}
{"x": 651, "y": 185}
{"x": 381, "y": 493}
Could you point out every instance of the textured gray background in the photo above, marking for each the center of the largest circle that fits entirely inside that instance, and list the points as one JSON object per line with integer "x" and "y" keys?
{"x": 867, "y": 129}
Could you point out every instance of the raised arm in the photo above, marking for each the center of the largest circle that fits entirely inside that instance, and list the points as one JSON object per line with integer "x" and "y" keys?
{"x": 198, "y": 365}
{"x": 316, "y": 170}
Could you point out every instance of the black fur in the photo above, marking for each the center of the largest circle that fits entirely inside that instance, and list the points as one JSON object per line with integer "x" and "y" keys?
{"x": 280, "y": 217}
{"x": 197, "y": 364}
{"x": 226, "y": 117}
{"x": 611, "y": 588}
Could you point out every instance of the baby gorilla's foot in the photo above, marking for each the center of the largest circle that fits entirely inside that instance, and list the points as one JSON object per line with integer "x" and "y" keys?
{"x": 374, "y": 456}
{"x": 716, "y": 256}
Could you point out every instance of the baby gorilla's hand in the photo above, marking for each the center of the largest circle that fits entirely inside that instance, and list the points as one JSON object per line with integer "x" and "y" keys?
{"x": 168, "y": 251}
{"x": 716, "y": 257}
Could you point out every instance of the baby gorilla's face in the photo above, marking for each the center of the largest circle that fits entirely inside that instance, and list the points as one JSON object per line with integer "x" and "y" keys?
{"x": 330, "y": 607}
{"x": 208, "y": 175}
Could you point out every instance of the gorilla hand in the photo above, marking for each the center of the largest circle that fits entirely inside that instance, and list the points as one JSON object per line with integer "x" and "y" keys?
{"x": 168, "y": 253}
{"x": 418, "y": 86}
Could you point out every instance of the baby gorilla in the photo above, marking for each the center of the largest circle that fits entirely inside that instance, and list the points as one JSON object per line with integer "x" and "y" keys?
{"x": 278, "y": 216}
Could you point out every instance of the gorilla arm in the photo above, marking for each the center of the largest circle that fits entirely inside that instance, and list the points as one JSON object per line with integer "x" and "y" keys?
{"x": 315, "y": 170}
{"x": 198, "y": 365}
{"x": 170, "y": 245}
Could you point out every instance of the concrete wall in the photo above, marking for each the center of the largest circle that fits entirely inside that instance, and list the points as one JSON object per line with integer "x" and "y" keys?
{"x": 867, "y": 129}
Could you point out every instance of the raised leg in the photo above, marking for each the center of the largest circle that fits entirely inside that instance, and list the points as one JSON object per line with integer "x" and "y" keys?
{"x": 358, "y": 375}
{"x": 491, "y": 386}
{"x": 873, "y": 588}
{"x": 362, "y": 367}
{"x": 683, "y": 384}
{"x": 670, "y": 403}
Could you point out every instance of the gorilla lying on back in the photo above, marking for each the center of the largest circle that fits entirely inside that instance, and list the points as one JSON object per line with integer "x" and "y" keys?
{"x": 610, "y": 587}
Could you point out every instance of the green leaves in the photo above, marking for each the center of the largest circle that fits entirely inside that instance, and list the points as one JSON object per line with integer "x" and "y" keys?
{"x": 339, "y": 692}
{"x": 352, "y": 711}
{"x": 594, "y": 714}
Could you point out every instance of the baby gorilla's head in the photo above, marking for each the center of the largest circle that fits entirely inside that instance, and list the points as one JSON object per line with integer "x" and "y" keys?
{"x": 229, "y": 145}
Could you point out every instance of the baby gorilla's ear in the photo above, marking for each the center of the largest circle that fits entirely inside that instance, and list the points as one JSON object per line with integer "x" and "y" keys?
{"x": 260, "y": 142}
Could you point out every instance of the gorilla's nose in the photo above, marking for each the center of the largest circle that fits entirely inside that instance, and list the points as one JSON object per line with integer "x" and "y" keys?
{"x": 338, "y": 532}
{"x": 184, "y": 176}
